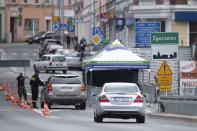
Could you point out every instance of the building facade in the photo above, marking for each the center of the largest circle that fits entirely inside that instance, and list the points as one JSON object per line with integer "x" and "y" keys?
{"x": 174, "y": 16}
{"x": 2, "y": 21}
{"x": 25, "y": 18}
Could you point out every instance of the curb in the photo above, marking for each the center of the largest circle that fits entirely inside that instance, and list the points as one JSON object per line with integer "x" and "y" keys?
{"x": 185, "y": 118}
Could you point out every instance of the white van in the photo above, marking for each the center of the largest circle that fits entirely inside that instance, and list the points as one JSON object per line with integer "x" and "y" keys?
{"x": 51, "y": 62}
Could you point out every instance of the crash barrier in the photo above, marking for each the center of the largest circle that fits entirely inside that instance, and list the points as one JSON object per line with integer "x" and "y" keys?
{"x": 186, "y": 105}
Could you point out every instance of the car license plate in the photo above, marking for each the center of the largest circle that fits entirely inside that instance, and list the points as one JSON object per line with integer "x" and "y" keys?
{"x": 121, "y": 99}
{"x": 65, "y": 88}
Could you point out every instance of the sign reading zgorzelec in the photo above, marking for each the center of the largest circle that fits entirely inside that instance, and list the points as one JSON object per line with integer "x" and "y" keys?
{"x": 164, "y": 38}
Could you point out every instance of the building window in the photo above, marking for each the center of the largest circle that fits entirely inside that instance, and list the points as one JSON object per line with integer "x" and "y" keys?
{"x": 48, "y": 1}
{"x": 31, "y": 27}
{"x": 69, "y": 3}
{"x": 25, "y": 1}
{"x": 163, "y": 26}
{"x": 135, "y": 2}
{"x": 13, "y": 1}
{"x": 193, "y": 38}
{"x": 159, "y": 2}
{"x": 36, "y": 1}
{"x": 178, "y": 2}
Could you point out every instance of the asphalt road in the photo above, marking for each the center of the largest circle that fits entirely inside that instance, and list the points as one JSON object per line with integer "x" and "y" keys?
{"x": 65, "y": 118}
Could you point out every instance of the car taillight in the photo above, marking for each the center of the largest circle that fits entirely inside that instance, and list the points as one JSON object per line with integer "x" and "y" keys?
{"x": 50, "y": 63}
{"x": 139, "y": 99}
{"x": 50, "y": 88}
{"x": 103, "y": 99}
{"x": 83, "y": 88}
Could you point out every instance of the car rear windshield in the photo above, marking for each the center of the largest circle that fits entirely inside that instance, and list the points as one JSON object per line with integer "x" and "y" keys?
{"x": 121, "y": 89}
{"x": 58, "y": 59}
{"x": 63, "y": 80}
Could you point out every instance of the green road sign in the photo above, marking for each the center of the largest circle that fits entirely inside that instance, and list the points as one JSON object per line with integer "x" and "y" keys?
{"x": 164, "y": 38}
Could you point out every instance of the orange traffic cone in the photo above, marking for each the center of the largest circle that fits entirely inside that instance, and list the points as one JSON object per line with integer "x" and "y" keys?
{"x": 8, "y": 95}
{"x": 14, "y": 100}
{"x": 31, "y": 105}
{"x": 22, "y": 104}
{"x": 46, "y": 110}
{"x": 1, "y": 88}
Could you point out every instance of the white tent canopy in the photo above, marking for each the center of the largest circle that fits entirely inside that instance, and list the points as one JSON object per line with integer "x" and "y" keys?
{"x": 115, "y": 56}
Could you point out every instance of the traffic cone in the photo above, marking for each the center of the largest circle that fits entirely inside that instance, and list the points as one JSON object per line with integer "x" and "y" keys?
{"x": 31, "y": 105}
{"x": 45, "y": 111}
{"x": 1, "y": 88}
{"x": 25, "y": 107}
{"x": 22, "y": 104}
{"x": 14, "y": 101}
{"x": 8, "y": 95}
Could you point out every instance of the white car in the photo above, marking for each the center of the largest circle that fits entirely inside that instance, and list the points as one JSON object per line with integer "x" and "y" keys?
{"x": 51, "y": 62}
{"x": 120, "y": 100}
{"x": 72, "y": 57}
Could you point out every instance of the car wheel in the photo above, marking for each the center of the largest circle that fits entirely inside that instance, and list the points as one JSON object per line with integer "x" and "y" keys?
{"x": 140, "y": 119}
{"x": 42, "y": 104}
{"x": 45, "y": 70}
{"x": 64, "y": 71}
{"x": 82, "y": 106}
{"x": 98, "y": 118}
{"x": 77, "y": 107}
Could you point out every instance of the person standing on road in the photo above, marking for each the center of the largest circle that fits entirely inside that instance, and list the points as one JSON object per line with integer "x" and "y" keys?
{"x": 21, "y": 87}
{"x": 82, "y": 47}
{"x": 35, "y": 82}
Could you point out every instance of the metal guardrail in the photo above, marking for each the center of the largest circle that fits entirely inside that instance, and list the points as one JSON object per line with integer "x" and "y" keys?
{"x": 178, "y": 99}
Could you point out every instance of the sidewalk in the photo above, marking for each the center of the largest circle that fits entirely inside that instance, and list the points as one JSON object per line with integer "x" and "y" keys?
{"x": 153, "y": 112}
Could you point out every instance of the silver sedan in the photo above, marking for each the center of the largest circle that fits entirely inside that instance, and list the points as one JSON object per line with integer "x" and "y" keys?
{"x": 120, "y": 100}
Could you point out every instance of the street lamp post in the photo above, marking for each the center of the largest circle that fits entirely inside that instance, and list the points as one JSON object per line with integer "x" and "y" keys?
{"x": 62, "y": 20}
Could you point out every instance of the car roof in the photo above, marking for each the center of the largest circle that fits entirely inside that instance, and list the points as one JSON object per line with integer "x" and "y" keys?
{"x": 119, "y": 83}
{"x": 65, "y": 75}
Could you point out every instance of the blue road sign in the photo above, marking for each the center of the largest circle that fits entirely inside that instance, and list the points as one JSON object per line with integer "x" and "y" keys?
{"x": 71, "y": 28}
{"x": 55, "y": 27}
{"x": 99, "y": 31}
{"x": 143, "y": 32}
{"x": 63, "y": 27}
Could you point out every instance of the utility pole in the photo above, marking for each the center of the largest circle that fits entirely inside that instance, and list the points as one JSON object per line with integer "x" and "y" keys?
{"x": 62, "y": 20}
{"x": 94, "y": 22}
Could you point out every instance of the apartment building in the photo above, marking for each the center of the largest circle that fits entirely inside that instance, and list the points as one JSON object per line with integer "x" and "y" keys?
{"x": 24, "y": 18}
{"x": 2, "y": 21}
